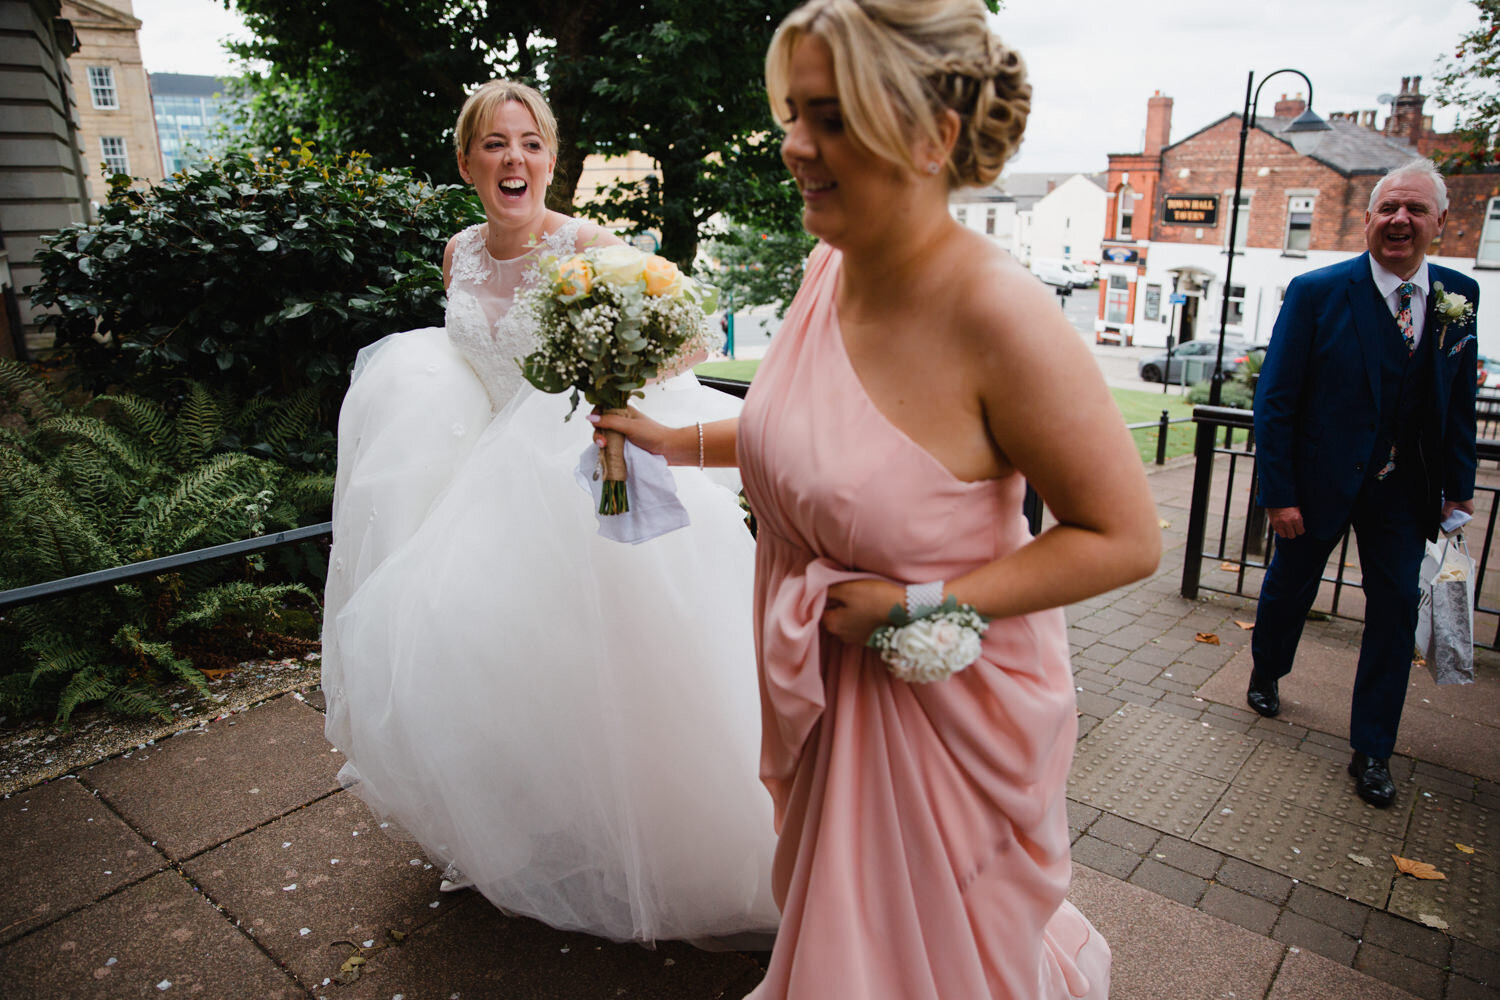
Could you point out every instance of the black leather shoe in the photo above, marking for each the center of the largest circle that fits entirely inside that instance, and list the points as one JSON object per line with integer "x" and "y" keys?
{"x": 1372, "y": 780}
{"x": 1262, "y": 695}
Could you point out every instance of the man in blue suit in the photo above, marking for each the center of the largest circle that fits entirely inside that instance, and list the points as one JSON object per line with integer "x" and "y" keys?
{"x": 1364, "y": 416}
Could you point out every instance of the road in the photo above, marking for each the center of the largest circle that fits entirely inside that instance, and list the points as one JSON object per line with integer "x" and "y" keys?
{"x": 753, "y": 330}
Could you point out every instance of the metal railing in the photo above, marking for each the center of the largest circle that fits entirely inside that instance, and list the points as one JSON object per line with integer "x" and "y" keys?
{"x": 1244, "y": 541}
{"x": 214, "y": 553}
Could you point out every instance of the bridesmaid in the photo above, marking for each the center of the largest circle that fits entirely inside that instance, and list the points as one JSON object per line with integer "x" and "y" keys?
{"x": 920, "y": 380}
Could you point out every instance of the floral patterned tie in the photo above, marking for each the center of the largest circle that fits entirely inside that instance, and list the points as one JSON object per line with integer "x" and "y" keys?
{"x": 1403, "y": 323}
{"x": 1403, "y": 317}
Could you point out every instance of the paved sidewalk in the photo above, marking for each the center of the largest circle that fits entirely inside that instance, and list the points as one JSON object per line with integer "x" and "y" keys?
{"x": 1222, "y": 855}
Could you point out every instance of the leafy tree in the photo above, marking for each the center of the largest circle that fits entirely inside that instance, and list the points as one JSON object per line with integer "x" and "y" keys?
{"x": 676, "y": 79}
{"x": 260, "y": 275}
{"x": 759, "y": 267}
{"x": 1470, "y": 81}
{"x": 119, "y": 480}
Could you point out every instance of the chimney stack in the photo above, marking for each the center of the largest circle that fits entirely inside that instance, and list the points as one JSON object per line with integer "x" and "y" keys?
{"x": 1158, "y": 123}
{"x": 1290, "y": 107}
{"x": 1406, "y": 119}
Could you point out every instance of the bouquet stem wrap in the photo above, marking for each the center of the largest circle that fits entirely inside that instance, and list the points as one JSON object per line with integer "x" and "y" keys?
{"x": 614, "y": 499}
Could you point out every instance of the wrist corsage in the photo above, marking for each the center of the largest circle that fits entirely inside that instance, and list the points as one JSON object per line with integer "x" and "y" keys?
{"x": 928, "y": 642}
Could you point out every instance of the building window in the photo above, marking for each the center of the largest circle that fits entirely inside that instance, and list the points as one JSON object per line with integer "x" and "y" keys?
{"x": 1153, "y": 302}
{"x": 1241, "y": 222}
{"x": 115, "y": 160}
{"x": 989, "y": 222}
{"x": 1298, "y": 225}
{"x": 1489, "y": 240}
{"x": 1125, "y": 213}
{"x": 1117, "y": 300}
{"x": 1236, "y": 315}
{"x": 102, "y": 87}
{"x": 962, "y": 215}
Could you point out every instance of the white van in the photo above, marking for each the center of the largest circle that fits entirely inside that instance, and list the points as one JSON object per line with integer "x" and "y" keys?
{"x": 1061, "y": 273}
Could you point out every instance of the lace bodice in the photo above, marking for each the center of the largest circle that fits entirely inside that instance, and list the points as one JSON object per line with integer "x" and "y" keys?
{"x": 480, "y": 292}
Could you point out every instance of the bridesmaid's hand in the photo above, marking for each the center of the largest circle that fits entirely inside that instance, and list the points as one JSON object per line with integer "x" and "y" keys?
{"x": 857, "y": 608}
{"x": 643, "y": 432}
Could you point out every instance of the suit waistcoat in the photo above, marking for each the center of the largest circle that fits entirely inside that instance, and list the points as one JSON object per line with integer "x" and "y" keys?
{"x": 1404, "y": 380}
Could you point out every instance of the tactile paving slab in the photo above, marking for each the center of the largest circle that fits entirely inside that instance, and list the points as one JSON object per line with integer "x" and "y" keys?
{"x": 1302, "y": 843}
{"x": 1185, "y": 743}
{"x": 1438, "y": 822}
{"x": 1150, "y": 792}
{"x": 1322, "y": 785}
{"x": 1465, "y": 902}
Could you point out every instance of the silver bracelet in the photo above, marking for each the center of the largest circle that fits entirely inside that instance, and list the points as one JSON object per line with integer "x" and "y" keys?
{"x": 923, "y": 597}
{"x": 700, "y": 444}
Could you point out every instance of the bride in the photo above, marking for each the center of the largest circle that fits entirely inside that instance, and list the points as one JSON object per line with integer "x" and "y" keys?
{"x": 570, "y": 722}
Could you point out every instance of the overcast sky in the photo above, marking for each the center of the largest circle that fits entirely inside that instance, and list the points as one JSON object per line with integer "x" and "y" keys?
{"x": 1093, "y": 63}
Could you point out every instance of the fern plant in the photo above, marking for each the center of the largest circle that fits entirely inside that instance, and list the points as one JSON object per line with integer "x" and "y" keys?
{"x": 121, "y": 480}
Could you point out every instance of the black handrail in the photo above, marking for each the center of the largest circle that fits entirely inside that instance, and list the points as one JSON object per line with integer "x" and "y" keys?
{"x": 164, "y": 564}
{"x": 1255, "y": 533}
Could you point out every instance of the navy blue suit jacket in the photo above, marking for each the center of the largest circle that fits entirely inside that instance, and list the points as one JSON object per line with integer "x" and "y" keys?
{"x": 1317, "y": 405}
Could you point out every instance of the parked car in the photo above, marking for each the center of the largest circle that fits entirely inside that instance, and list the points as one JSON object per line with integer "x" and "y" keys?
{"x": 1196, "y": 357}
{"x": 1061, "y": 273}
{"x": 1486, "y": 365}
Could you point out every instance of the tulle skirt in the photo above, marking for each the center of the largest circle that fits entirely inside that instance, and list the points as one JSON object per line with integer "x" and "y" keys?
{"x": 574, "y": 721}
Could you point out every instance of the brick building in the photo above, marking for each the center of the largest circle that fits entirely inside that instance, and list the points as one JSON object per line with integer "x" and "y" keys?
{"x": 1167, "y": 229}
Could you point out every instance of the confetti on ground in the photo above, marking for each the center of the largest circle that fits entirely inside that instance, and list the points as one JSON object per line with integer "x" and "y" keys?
{"x": 1207, "y": 637}
{"x": 1228, "y": 567}
{"x": 1417, "y": 869}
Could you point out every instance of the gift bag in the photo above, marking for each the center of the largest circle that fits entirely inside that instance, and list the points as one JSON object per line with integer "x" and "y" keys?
{"x": 1445, "y": 611}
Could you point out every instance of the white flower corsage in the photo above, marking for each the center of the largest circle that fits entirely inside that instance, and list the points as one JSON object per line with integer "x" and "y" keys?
{"x": 1451, "y": 308}
{"x": 933, "y": 645}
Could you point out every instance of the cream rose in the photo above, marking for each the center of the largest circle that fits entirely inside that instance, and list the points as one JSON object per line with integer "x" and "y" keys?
{"x": 1452, "y": 305}
{"x": 663, "y": 278}
{"x": 618, "y": 265}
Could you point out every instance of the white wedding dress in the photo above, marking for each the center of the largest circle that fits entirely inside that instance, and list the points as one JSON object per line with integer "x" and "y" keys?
{"x": 573, "y": 721}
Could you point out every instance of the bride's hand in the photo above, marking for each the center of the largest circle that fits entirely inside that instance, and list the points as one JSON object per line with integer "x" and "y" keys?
{"x": 641, "y": 431}
{"x": 857, "y": 608}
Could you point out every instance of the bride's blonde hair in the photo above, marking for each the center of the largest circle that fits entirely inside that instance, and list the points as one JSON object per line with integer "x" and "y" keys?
{"x": 900, "y": 63}
{"x": 476, "y": 112}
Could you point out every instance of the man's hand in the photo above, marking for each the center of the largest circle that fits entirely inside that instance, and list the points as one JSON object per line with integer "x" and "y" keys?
{"x": 1287, "y": 521}
{"x": 1449, "y": 506}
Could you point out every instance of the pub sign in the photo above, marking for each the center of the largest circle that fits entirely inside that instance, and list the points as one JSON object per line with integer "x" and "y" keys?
{"x": 1190, "y": 210}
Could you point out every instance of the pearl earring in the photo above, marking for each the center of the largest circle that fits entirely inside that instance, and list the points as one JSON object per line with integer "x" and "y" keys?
{"x": 932, "y": 168}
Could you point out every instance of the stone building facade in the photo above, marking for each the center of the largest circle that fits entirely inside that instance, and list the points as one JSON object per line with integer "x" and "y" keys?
{"x": 116, "y": 120}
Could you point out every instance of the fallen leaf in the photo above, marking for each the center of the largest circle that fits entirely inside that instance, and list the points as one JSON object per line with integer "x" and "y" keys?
{"x": 1360, "y": 859}
{"x": 1465, "y": 848}
{"x": 215, "y": 673}
{"x": 1433, "y": 921}
{"x": 1228, "y": 566}
{"x": 1207, "y": 637}
{"x": 1244, "y": 625}
{"x": 397, "y": 936}
{"x": 1416, "y": 869}
{"x": 1418, "y": 660}
{"x": 1163, "y": 524}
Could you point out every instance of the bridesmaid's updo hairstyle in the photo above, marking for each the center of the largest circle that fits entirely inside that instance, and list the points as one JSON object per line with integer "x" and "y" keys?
{"x": 900, "y": 63}
{"x": 476, "y": 112}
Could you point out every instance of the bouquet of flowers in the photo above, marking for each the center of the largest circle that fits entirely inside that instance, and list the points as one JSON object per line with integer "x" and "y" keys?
{"x": 932, "y": 645}
{"x": 608, "y": 320}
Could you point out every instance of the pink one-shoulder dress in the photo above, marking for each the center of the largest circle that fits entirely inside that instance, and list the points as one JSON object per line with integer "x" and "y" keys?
{"x": 923, "y": 835}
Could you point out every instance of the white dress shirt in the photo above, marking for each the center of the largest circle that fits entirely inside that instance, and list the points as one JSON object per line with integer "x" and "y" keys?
{"x": 1390, "y": 284}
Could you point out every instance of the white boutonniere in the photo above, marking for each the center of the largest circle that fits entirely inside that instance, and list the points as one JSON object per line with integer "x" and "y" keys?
{"x": 1451, "y": 308}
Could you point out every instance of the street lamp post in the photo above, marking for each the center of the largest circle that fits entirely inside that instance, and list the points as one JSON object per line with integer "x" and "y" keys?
{"x": 1303, "y": 127}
